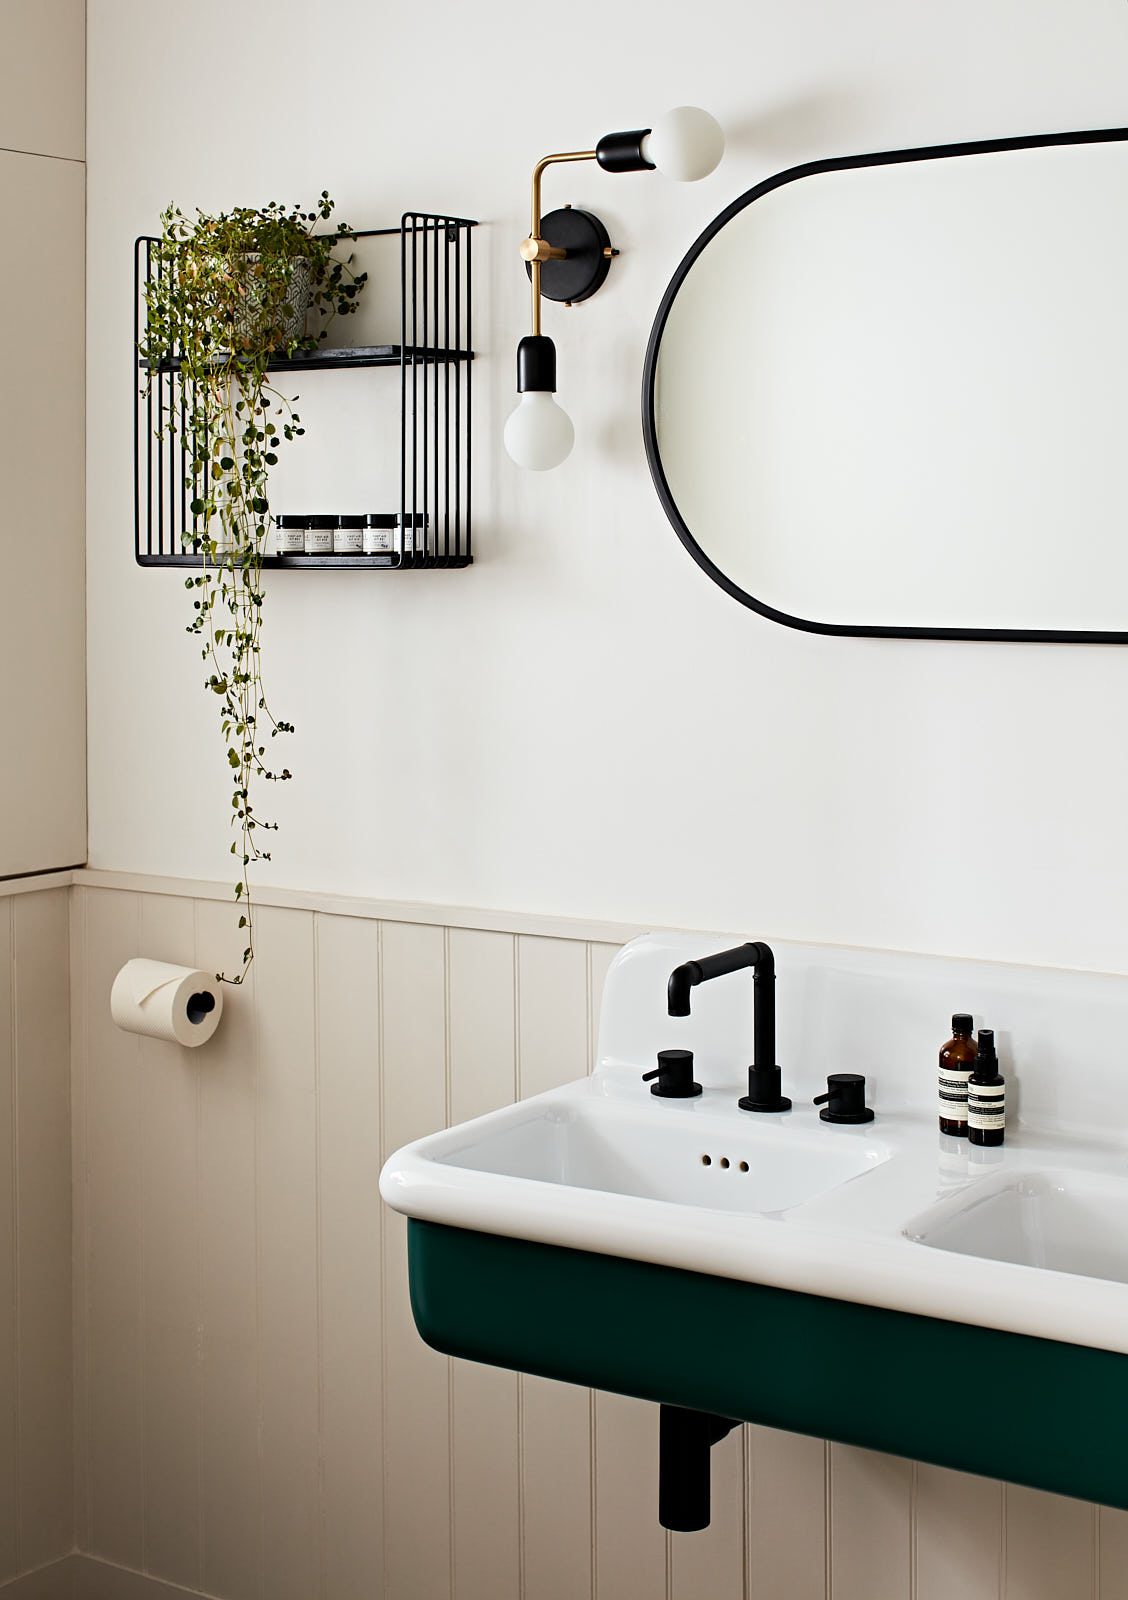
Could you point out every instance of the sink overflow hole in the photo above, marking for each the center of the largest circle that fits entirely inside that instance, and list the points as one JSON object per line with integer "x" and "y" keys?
{"x": 723, "y": 1163}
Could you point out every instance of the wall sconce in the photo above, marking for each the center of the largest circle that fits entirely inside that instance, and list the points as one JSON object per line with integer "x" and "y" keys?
{"x": 568, "y": 254}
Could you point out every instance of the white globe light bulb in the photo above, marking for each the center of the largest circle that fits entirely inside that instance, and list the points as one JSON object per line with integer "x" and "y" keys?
{"x": 539, "y": 435}
{"x": 685, "y": 144}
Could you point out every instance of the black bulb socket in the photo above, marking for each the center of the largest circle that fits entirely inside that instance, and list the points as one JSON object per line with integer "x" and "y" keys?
{"x": 536, "y": 364}
{"x": 763, "y": 1091}
{"x": 622, "y": 152}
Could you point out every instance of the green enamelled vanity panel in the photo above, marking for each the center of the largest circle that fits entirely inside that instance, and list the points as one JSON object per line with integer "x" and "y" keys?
{"x": 858, "y": 1374}
{"x": 857, "y": 1280}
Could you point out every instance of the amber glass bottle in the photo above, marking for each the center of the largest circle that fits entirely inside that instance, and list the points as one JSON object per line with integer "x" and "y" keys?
{"x": 957, "y": 1058}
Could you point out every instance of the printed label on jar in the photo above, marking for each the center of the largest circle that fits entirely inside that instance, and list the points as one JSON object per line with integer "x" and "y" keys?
{"x": 348, "y": 541}
{"x": 291, "y": 541}
{"x": 414, "y": 537}
{"x": 319, "y": 542}
{"x": 378, "y": 541}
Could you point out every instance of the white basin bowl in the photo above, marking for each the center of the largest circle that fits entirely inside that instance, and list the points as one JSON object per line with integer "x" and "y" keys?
{"x": 1056, "y": 1221}
{"x": 654, "y": 1154}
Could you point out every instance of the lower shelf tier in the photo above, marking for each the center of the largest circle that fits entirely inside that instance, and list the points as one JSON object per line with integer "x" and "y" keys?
{"x": 385, "y": 563}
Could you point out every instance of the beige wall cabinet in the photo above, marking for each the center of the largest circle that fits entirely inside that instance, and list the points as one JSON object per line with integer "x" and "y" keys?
{"x": 42, "y": 592}
{"x": 42, "y": 436}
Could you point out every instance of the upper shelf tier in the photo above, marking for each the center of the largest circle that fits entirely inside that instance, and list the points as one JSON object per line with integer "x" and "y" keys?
{"x": 369, "y": 355}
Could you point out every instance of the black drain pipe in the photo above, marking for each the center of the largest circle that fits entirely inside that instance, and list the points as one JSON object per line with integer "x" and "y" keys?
{"x": 685, "y": 1439}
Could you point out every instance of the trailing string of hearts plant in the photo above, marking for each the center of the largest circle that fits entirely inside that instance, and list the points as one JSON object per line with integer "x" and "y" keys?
{"x": 228, "y": 295}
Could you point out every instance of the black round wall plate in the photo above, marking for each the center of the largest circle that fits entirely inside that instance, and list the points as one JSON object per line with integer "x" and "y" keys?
{"x": 584, "y": 269}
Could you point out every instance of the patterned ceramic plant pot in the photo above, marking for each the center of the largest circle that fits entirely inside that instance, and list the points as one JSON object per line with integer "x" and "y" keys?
{"x": 284, "y": 320}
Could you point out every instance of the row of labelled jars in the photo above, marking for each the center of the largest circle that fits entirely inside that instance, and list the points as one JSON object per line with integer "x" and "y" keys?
{"x": 372, "y": 534}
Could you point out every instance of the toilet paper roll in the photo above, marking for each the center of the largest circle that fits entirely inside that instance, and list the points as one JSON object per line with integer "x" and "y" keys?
{"x": 166, "y": 1002}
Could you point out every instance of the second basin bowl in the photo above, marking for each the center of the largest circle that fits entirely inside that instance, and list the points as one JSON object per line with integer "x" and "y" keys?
{"x": 1057, "y": 1220}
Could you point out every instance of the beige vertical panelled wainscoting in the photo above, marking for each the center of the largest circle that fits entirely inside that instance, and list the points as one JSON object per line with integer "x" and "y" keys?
{"x": 255, "y": 1415}
{"x": 36, "y": 1444}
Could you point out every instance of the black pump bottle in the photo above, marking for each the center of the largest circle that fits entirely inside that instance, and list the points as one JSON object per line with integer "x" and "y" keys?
{"x": 986, "y": 1095}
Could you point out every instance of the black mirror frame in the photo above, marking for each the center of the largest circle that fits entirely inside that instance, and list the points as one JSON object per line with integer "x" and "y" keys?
{"x": 649, "y": 430}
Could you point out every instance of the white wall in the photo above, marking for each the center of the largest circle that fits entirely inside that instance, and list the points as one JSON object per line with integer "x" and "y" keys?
{"x": 579, "y": 724}
{"x": 582, "y": 723}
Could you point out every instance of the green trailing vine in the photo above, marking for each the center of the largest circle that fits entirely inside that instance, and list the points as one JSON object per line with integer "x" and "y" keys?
{"x": 226, "y": 296}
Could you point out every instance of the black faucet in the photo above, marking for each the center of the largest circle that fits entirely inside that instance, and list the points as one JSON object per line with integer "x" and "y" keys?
{"x": 763, "y": 1075}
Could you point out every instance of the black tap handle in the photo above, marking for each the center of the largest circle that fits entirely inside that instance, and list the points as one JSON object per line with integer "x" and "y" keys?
{"x": 675, "y": 1076}
{"x": 846, "y": 1093}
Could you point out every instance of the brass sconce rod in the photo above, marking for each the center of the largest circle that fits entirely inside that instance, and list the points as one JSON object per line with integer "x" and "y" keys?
{"x": 535, "y": 250}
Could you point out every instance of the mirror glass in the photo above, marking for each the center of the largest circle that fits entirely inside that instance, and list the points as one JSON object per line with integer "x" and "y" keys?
{"x": 890, "y": 395}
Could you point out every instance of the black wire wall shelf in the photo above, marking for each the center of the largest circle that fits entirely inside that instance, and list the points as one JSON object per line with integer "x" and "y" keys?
{"x": 434, "y": 358}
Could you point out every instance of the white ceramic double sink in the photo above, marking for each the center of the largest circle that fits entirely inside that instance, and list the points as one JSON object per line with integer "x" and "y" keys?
{"x": 788, "y": 1200}
{"x": 1031, "y": 1237}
